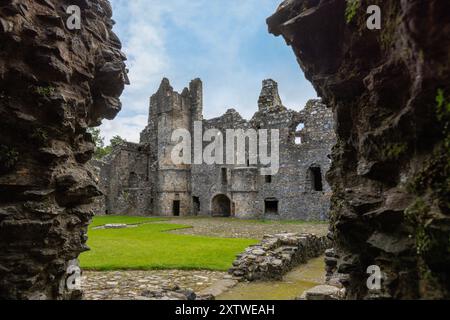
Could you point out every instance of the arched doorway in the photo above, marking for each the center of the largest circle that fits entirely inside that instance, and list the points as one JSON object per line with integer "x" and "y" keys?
{"x": 221, "y": 206}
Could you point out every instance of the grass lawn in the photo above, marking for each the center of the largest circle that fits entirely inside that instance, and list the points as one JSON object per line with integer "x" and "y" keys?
{"x": 149, "y": 246}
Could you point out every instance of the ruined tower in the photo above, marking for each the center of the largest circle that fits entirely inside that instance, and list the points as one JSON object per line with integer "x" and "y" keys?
{"x": 169, "y": 111}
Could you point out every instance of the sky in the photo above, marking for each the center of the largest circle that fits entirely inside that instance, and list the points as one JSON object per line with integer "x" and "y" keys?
{"x": 223, "y": 42}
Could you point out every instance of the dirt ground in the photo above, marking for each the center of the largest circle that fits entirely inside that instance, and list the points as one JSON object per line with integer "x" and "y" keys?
{"x": 234, "y": 228}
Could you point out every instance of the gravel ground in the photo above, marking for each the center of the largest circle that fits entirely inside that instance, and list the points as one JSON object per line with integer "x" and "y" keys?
{"x": 233, "y": 228}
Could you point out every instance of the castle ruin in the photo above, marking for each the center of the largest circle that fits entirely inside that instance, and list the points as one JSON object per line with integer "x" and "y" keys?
{"x": 141, "y": 179}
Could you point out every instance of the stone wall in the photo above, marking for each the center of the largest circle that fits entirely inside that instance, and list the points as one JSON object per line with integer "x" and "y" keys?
{"x": 276, "y": 255}
{"x": 54, "y": 84}
{"x": 390, "y": 175}
{"x": 200, "y": 189}
{"x": 125, "y": 180}
{"x": 292, "y": 187}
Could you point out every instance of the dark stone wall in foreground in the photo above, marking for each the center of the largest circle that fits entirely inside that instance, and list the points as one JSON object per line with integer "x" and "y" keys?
{"x": 390, "y": 93}
{"x": 54, "y": 84}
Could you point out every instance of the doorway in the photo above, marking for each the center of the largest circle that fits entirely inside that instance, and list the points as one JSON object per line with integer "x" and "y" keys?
{"x": 176, "y": 208}
{"x": 221, "y": 206}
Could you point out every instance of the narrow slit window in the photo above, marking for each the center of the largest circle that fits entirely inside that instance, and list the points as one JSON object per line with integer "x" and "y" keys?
{"x": 224, "y": 176}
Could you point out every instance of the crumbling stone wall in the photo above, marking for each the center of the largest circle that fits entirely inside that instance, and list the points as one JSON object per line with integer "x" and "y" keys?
{"x": 276, "y": 255}
{"x": 247, "y": 189}
{"x": 54, "y": 84}
{"x": 389, "y": 91}
{"x": 201, "y": 189}
{"x": 125, "y": 180}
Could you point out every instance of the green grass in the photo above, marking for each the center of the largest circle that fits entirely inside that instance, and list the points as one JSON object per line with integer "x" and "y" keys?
{"x": 150, "y": 246}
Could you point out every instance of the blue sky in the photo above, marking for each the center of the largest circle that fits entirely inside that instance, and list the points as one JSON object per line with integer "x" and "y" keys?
{"x": 223, "y": 42}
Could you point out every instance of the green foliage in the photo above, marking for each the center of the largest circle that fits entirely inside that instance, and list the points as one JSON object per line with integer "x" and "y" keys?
{"x": 40, "y": 135}
{"x": 44, "y": 91}
{"x": 100, "y": 149}
{"x": 443, "y": 115}
{"x": 117, "y": 140}
{"x": 96, "y": 137}
{"x": 351, "y": 10}
{"x": 440, "y": 99}
{"x": 394, "y": 151}
{"x": 102, "y": 152}
{"x": 152, "y": 246}
{"x": 423, "y": 241}
{"x": 8, "y": 157}
{"x": 418, "y": 215}
{"x": 434, "y": 177}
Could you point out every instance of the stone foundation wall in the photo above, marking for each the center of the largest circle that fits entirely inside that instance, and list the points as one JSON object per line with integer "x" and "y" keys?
{"x": 276, "y": 255}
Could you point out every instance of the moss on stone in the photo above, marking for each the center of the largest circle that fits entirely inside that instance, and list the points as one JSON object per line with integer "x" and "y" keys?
{"x": 8, "y": 158}
{"x": 40, "y": 135}
{"x": 44, "y": 91}
{"x": 351, "y": 10}
{"x": 435, "y": 176}
{"x": 394, "y": 151}
{"x": 417, "y": 215}
{"x": 435, "y": 172}
{"x": 443, "y": 115}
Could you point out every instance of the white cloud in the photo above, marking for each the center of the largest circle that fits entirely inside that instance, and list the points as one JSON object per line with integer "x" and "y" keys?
{"x": 185, "y": 39}
{"x": 128, "y": 128}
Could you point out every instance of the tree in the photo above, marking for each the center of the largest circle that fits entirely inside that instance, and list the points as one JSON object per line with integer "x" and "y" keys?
{"x": 116, "y": 140}
{"x": 100, "y": 149}
{"x": 99, "y": 141}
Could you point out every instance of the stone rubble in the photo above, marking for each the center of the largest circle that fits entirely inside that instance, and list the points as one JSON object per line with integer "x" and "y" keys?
{"x": 276, "y": 255}
{"x": 115, "y": 226}
{"x": 323, "y": 292}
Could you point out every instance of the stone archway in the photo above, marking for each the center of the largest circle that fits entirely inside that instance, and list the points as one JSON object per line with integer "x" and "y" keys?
{"x": 221, "y": 206}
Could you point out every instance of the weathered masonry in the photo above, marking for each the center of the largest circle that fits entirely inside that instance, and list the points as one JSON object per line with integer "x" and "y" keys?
{"x": 142, "y": 179}
{"x": 54, "y": 84}
{"x": 391, "y": 165}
